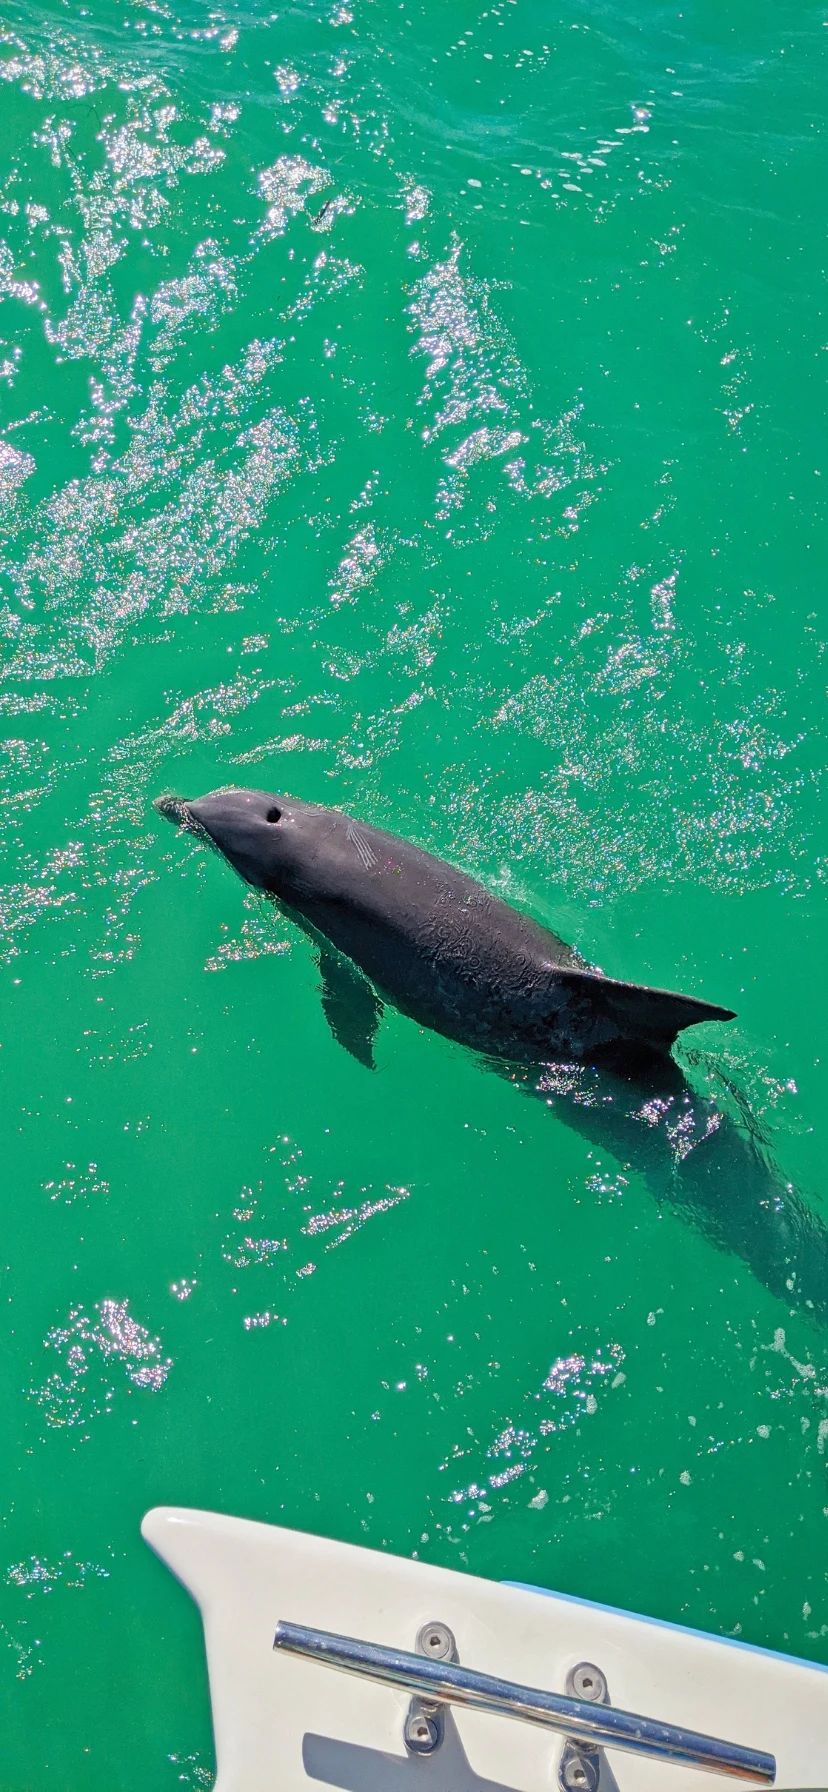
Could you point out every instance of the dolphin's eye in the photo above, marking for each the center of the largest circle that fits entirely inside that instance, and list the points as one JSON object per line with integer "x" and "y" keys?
{"x": 273, "y": 815}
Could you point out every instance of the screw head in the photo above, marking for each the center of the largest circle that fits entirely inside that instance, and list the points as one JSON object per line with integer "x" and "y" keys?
{"x": 579, "y": 1773}
{"x": 588, "y": 1683}
{"x": 436, "y": 1641}
{"x": 421, "y": 1733}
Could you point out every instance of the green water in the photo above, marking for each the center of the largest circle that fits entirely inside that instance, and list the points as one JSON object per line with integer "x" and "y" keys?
{"x": 417, "y": 409}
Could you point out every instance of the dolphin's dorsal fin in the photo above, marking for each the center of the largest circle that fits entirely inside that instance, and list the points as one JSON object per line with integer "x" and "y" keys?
{"x": 653, "y": 1016}
{"x": 352, "y": 1009}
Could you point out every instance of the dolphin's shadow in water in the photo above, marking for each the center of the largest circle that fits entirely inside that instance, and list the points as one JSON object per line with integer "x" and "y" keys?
{"x": 695, "y": 1158}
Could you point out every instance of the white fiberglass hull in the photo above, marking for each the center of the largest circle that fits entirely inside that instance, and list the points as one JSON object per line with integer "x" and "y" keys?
{"x": 284, "y": 1724}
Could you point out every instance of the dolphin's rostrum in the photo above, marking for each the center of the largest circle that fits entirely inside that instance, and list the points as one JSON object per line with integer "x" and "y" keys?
{"x": 430, "y": 939}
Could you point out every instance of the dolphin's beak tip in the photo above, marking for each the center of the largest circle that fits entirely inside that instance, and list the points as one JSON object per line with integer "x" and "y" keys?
{"x": 175, "y": 808}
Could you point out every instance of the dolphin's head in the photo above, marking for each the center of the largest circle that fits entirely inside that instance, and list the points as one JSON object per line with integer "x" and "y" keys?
{"x": 270, "y": 840}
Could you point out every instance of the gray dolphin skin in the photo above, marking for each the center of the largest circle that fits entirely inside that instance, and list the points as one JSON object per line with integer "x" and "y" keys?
{"x": 431, "y": 940}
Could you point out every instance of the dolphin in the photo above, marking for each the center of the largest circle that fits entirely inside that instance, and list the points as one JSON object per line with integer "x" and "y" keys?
{"x": 390, "y": 921}
{"x": 409, "y": 928}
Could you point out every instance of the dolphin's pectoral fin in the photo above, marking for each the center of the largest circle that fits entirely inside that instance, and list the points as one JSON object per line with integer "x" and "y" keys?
{"x": 352, "y": 1010}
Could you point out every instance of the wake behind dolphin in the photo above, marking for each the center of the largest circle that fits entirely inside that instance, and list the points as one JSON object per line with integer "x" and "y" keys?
{"x": 430, "y": 939}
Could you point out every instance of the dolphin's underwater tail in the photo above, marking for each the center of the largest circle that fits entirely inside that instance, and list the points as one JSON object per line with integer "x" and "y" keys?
{"x": 695, "y": 1158}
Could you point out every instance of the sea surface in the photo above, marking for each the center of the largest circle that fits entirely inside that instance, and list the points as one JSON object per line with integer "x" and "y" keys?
{"x": 418, "y": 409}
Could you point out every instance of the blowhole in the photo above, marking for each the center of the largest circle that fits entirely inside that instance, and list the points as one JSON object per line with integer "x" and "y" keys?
{"x": 273, "y": 815}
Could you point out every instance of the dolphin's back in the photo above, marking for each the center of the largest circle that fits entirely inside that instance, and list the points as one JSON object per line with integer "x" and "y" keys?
{"x": 433, "y": 939}
{"x": 460, "y": 960}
